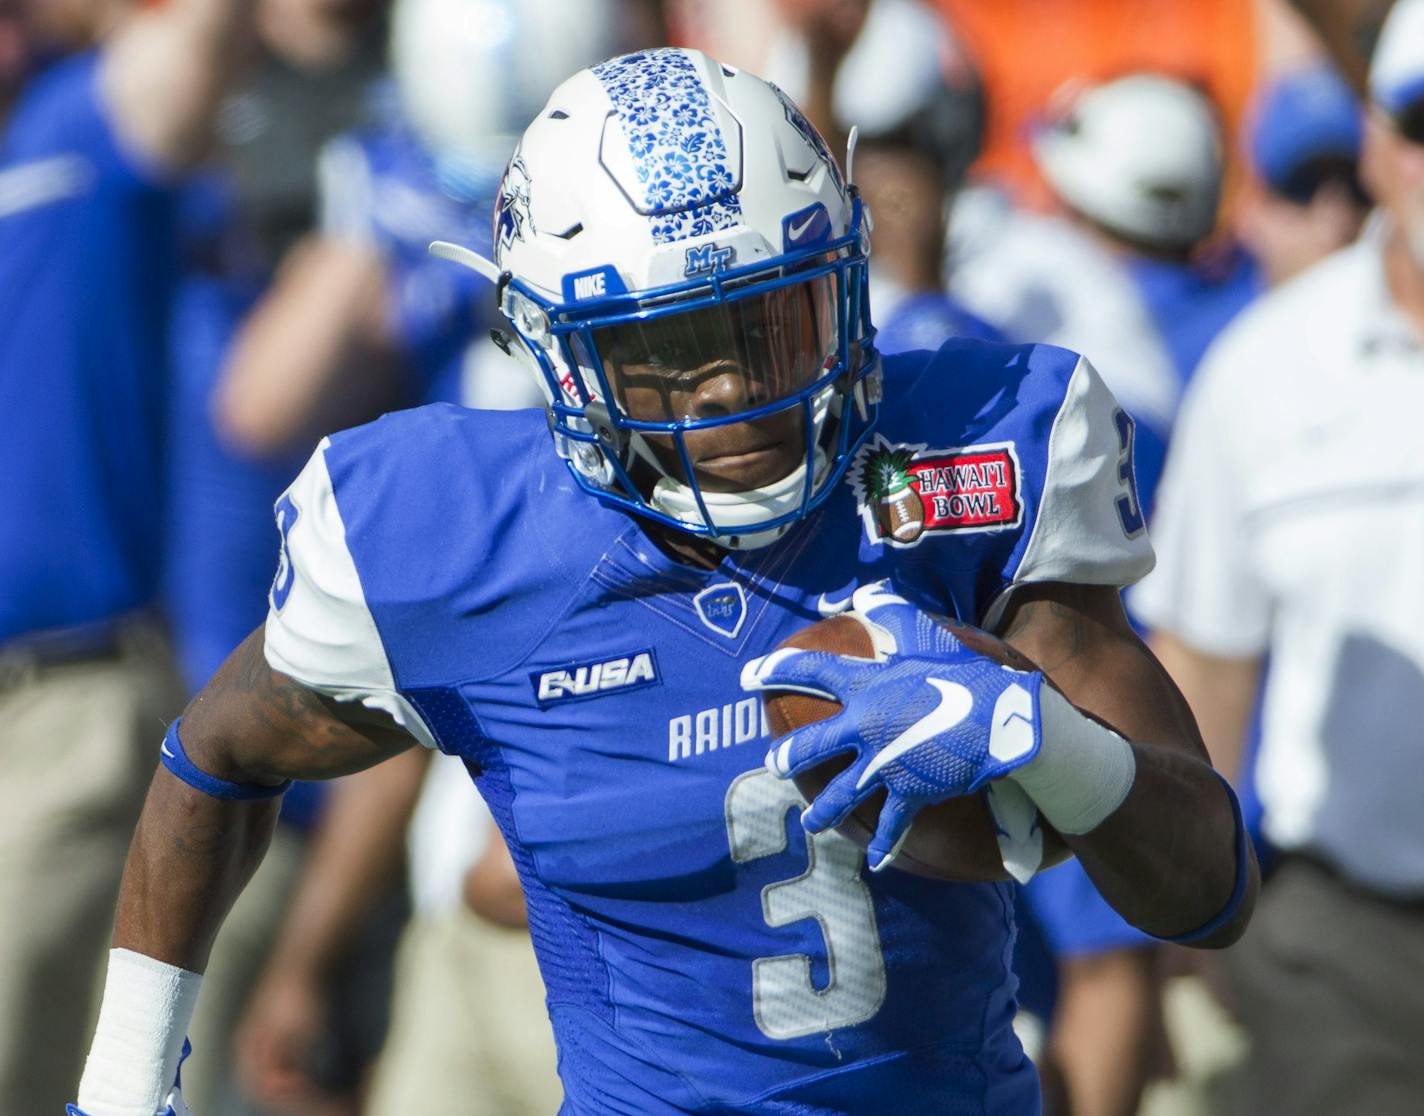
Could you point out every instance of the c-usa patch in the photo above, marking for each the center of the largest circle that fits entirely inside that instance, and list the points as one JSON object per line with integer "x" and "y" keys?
{"x": 595, "y": 677}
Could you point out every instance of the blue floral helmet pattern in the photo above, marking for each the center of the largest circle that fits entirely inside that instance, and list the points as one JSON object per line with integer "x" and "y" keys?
{"x": 690, "y": 190}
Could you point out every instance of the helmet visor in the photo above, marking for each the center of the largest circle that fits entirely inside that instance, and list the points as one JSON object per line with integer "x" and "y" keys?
{"x": 722, "y": 359}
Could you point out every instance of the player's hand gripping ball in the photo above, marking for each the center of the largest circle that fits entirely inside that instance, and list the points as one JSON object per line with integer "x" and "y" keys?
{"x": 890, "y": 700}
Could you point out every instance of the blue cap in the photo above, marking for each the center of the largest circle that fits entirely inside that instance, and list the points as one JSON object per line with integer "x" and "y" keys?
{"x": 1304, "y": 115}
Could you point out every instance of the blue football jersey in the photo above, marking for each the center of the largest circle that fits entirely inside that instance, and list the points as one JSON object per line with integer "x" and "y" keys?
{"x": 926, "y": 320}
{"x": 87, "y": 264}
{"x": 701, "y": 952}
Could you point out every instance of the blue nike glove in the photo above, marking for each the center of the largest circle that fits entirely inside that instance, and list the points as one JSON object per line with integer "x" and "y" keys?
{"x": 173, "y": 1106}
{"x": 927, "y": 719}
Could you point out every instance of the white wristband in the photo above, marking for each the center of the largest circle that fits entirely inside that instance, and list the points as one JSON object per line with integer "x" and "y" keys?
{"x": 139, "y": 1038}
{"x": 1082, "y": 772}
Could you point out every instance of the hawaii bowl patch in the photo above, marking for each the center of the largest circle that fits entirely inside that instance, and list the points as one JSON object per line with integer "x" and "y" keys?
{"x": 909, "y": 491}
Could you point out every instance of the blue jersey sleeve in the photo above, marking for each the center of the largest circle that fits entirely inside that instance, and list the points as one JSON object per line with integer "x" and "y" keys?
{"x": 1089, "y": 526}
{"x": 66, "y": 112}
{"x": 319, "y": 627}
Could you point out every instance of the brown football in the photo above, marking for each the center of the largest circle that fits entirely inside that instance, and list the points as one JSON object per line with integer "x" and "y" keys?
{"x": 953, "y": 840}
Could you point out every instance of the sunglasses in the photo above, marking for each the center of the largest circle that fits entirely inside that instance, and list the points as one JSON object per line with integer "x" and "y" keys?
{"x": 1409, "y": 121}
{"x": 1306, "y": 179}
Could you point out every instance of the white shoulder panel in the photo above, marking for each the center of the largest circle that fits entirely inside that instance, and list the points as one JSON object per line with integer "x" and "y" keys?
{"x": 319, "y": 629}
{"x": 1089, "y": 528}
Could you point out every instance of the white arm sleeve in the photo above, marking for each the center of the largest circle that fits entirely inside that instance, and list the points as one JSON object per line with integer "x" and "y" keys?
{"x": 1088, "y": 527}
{"x": 1205, "y": 589}
{"x": 319, "y": 629}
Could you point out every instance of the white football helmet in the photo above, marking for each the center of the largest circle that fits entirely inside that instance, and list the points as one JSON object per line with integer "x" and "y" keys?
{"x": 470, "y": 73}
{"x": 663, "y": 216}
{"x": 1141, "y": 155}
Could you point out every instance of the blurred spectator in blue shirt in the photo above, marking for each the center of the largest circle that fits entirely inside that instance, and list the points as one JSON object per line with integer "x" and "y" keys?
{"x": 1138, "y": 162}
{"x": 312, "y": 78}
{"x": 89, "y": 160}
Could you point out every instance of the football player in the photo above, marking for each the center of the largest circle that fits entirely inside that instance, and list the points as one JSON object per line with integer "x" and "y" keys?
{"x": 573, "y": 600}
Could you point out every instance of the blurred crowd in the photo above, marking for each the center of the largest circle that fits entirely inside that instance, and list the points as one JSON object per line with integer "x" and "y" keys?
{"x": 214, "y": 217}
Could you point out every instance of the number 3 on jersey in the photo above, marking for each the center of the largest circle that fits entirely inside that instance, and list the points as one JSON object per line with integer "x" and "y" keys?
{"x": 1129, "y": 506}
{"x": 785, "y": 1002}
{"x": 282, "y": 584}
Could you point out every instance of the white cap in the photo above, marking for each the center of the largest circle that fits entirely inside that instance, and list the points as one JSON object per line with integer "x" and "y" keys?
{"x": 1397, "y": 69}
{"x": 1140, "y": 155}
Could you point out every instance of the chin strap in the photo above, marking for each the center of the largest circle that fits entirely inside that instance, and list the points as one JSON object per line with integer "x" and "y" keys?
{"x": 729, "y": 511}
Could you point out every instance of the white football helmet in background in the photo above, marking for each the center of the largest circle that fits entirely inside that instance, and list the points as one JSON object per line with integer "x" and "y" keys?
{"x": 471, "y": 73}
{"x": 663, "y": 215}
{"x": 1141, "y": 155}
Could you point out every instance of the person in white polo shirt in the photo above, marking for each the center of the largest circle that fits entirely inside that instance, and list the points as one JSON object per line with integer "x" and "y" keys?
{"x": 1290, "y": 525}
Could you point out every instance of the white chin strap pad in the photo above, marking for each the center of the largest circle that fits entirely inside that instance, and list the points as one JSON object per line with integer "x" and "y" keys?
{"x": 735, "y": 515}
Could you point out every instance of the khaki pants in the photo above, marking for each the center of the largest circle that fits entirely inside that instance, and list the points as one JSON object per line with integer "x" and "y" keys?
{"x": 1329, "y": 989}
{"x": 469, "y": 1033}
{"x": 78, "y": 746}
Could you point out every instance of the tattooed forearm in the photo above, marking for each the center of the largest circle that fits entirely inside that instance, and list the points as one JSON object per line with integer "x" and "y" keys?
{"x": 272, "y": 695}
{"x": 193, "y": 852}
{"x": 254, "y": 724}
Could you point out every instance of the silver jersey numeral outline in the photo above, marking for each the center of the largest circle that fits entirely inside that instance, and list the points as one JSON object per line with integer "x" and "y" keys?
{"x": 785, "y": 1002}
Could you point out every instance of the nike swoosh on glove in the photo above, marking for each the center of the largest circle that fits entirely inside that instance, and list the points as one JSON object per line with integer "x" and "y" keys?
{"x": 927, "y": 719}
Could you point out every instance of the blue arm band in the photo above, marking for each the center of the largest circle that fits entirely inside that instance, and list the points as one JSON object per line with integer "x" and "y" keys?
{"x": 1243, "y": 876}
{"x": 177, "y": 761}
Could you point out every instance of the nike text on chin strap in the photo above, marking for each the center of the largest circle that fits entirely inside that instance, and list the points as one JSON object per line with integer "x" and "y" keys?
{"x": 177, "y": 761}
